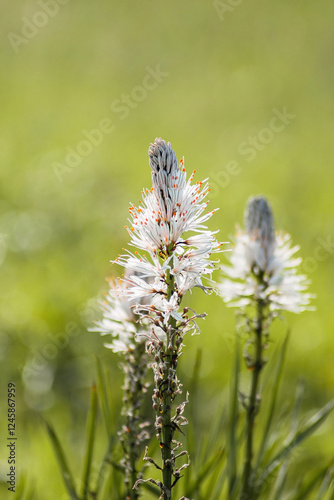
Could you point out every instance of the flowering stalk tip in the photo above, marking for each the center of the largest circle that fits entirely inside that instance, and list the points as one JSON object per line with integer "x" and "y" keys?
{"x": 264, "y": 266}
{"x": 259, "y": 224}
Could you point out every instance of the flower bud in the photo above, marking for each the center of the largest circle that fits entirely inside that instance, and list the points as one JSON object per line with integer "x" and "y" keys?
{"x": 259, "y": 223}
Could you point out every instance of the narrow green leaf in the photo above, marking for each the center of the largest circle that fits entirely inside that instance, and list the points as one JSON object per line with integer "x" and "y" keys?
{"x": 282, "y": 476}
{"x": 210, "y": 465}
{"x": 90, "y": 436}
{"x": 103, "y": 397}
{"x": 298, "y": 402}
{"x": 218, "y": 486}
{"x": 213, "y": 438}
{"x": 280, "y": 482}
{"x": 233, "y": 421}
{"x": 272, "y": 406}
{"x": 298, "y": 438}
{"x": 308, "y": 488}
{"x": 192, "y": 442}
{"x": 104, "y": 465}
{"x": 325, "y": 484}
{"x": 67, "y": 476}
{"x": 111, "y": 488}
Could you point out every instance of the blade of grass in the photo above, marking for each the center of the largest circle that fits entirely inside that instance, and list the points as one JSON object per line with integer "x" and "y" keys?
{"x": 298, "y": 438}
{"x": 325, "y": 484}
{"x": 209, "y": 467}
{"x": 304, "y": 491}
{"x": 60, "y": 456}
{"x": 280, "y": 482}
{"x": 299, "y": 398}
{"x": 218, "y": 422}
{"x": 282, "y": 476}
{"x": 233, "y": 421}
{"x": 104, "y": 464}
{"x": 103, "y": 397}
{"x": 90, "y": 436}
{"x": 192, "y": 429}
{"x": 214, "y": 492}
{"x": 272, "y": 406}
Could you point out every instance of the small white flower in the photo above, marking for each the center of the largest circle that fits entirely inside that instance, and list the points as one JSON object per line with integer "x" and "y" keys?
{"x": 119, "y": 319}
{"x": 263, "y": 265}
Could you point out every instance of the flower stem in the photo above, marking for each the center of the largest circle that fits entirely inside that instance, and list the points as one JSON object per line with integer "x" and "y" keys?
{"x": 167, "y": 430}
{"x": 132, "y": 493}
{"x": 253, "y": 406}
{"x": 131, "y": 435}
{"x": 167, "y": 435}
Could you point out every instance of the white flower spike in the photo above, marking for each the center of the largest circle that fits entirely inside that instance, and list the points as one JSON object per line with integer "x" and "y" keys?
{"x": 263, "y": 265}
{"x": 173, "y": 264}
{"x": 172, "y": 207}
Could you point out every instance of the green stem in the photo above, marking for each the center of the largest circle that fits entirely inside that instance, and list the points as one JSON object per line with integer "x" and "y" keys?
{"x": 167, "y": 436}
{"x": 252, "y": 408}
{"x": 134, "y": 396}
{"x": 133, "y": 494}
{"x": 167, "y": 429}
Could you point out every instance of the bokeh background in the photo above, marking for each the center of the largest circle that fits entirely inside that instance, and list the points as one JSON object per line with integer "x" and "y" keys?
{"x": 208, "y": 76}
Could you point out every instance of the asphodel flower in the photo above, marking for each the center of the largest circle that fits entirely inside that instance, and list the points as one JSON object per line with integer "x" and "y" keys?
{"x": 119, "y": 319}
{"x": 261, "y": 281}
{"x": 263, "y": 265}
{"x": 172, "y": 207}
{"x": 172, "y": 256}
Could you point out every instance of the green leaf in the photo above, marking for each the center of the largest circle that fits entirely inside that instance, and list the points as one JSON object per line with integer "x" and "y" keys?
{"x": 192, "y": 442}
{"x": 90, "y": 436}
{"x": 103, "y": 397}
{"x": 233, "y": 422}
{"x": 60, "y": 456}
{"x": 218, "y": 486}
{"x": 272, "y": 406}
{"x": 280, "y": 482}
{"x": 306, "y": 489}
{"x": 325, "y": 484}
{"x": 106, "y": 462}
{"x": 210, "y": 465}
{"x": 308, "y": 429}
{"x": 282, "y": 476}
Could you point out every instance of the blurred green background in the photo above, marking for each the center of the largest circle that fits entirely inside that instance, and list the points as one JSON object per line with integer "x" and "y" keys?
{"x": 208, "y": 78}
